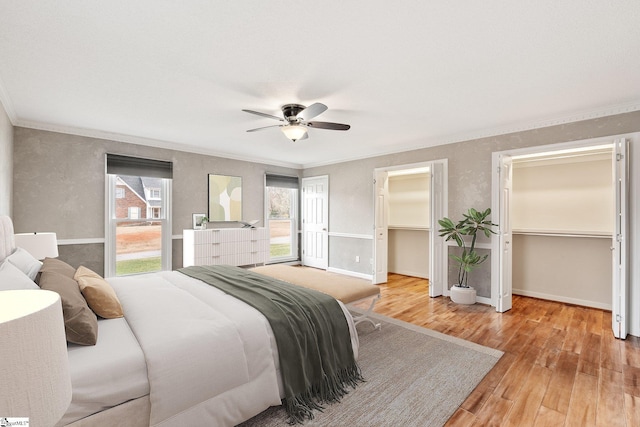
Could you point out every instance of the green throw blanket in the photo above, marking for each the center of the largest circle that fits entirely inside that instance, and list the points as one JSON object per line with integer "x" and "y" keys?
{"x": 314, "y": 344}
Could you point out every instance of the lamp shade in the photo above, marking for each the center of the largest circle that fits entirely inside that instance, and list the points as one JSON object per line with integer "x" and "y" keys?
{"x": 39, "y": 245}
{"x": 34, "y": 363}
{"x": 294, "y": 132}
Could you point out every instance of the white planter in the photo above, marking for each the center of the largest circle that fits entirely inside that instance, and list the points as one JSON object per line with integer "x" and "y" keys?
{"x": 462, "y": 295}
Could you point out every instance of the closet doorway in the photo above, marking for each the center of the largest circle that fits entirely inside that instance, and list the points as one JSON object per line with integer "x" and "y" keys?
{"x": 408, "y": 201}
{"x": 563, "y": 225}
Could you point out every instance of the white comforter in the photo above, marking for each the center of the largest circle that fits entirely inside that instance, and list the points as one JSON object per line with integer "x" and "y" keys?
{"x": 209, "y": 356}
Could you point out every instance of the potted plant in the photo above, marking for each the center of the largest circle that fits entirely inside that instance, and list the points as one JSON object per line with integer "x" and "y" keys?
{"x": 473, "y": 221}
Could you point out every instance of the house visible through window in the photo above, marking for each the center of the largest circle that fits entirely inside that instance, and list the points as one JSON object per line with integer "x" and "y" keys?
{"x": 139, "y": 237}
{"x": 281, "y": 196}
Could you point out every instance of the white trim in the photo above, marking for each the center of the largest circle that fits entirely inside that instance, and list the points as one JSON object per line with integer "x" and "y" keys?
{"x": 156, "y": 143}
{"x": 83, "y": 241}
{"x": 409, "y": 273}
{"x": 483, "y": 300}
{"x": 350, "y": 273}
{"x": 6, "y": 102}
{"x": 611, "y": 110}
{"x": 559, "y": 298}
{"x": 482, "y": 133}
{"x": 351, "y": 235}
{"x": 93, "y": 240}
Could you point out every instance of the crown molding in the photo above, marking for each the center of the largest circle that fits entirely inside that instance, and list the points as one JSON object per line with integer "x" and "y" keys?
{"x": 468, "y": 136}
{"x": 496, "y": 131}
{"x": 156, "y": 143}
{"x": 5, "y": 101}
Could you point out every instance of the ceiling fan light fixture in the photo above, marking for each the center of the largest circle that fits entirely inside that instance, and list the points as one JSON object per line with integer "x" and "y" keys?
{"x": 294, "y": 132}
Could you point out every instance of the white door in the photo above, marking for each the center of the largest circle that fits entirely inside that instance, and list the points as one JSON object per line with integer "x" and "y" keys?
{"x": 381, "y": 223}
{"x": 315, "y": 222}
{"x": 438, "y": 259}
{"x": 620, "y": 245}
{"x": 505, "y": 252}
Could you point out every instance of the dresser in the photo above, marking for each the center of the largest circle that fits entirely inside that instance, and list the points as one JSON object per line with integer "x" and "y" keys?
{"x": 230, "y": 246}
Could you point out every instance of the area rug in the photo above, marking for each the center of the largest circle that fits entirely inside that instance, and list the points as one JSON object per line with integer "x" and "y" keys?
{"x": 414, "y": 377}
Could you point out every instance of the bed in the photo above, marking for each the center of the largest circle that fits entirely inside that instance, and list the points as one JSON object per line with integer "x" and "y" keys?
{"x": 185, "y": 353}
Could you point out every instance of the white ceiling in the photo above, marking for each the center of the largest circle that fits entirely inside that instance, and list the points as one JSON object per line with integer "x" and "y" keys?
{"x": 404, "y": 74}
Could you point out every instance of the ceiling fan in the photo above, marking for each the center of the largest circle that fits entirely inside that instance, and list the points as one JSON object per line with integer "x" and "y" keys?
{"x": 296, "y": 120}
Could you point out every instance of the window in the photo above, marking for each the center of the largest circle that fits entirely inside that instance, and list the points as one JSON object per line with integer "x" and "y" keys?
{"x": 138, "y": 230}
{"x": 119, "y": 192}
{"x": 154, "y": 193}
{"x": 281, "y": 196}
{"x": 133, "y": 213}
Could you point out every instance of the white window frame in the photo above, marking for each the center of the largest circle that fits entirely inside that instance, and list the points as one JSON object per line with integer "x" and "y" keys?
{"x": 294, "y": 217}
{"x": 111, "y": 223}
{"x": 120, "y": 193}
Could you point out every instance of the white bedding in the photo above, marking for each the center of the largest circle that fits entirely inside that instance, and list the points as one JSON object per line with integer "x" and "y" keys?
{"x": 107, "y": 374}
{"x": 210, "y": 358}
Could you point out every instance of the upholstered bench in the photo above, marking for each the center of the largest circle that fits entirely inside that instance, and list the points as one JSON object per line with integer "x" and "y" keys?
{"x": 345, "y": 289}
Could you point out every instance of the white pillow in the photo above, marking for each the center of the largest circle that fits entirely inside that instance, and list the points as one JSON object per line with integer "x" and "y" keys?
{"x": 11, "y": 278}
{"x": 25, "y": 262}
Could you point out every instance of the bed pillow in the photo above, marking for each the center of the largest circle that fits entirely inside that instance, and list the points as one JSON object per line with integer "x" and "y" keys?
{"x": 11, "y": 278}
{"x": 100, "y": 296}
{"x": 80, "y": 323}
{"x": 25, "y": 262}
{"x": 58, "y": 266}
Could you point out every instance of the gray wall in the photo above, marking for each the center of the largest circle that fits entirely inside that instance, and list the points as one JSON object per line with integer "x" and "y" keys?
{"x": 6, "y": 165}
{"x": 59, "y": 185}
{"x": 351, "y": 183}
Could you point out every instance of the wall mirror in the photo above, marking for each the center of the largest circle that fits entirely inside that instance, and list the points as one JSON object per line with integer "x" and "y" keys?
{"x": 225, "y": 198}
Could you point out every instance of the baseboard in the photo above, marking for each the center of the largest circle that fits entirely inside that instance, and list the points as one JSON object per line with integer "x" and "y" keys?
{"x": 564, "y": 299}
{"x": 410, "y": 273}
{"x": 350, "y": 273}
{"x": 483, "y": 300}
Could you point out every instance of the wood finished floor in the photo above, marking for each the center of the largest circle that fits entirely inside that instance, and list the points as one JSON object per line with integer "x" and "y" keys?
{"x": 561, "y": 364}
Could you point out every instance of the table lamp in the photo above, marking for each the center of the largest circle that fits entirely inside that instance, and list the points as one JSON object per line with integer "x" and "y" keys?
{"x": 34, "y": 365}
{"x": 39, "y": 245}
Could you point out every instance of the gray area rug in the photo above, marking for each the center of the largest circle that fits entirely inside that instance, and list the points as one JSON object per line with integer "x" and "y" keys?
{"x": 414, "y": 377}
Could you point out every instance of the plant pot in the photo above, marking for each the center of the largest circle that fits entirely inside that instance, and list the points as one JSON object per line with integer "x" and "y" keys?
{"x": 461, "y": 295}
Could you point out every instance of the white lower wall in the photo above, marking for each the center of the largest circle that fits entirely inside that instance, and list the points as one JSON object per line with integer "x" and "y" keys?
{"x": 409, "y": 252}
{"x": 575, "y": 270}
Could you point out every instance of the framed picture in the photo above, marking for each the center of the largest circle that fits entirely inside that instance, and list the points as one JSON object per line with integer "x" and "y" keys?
{"x": 199, "y": 221}
{"x": 225, "y": 198}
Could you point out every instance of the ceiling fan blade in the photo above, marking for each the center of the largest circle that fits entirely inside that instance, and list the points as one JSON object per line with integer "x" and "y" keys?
{"x": 258, "y": 113}
{"x": 328, "y": 125}
{"x": 311, "y": 111}
{"x": 264, "y": 127}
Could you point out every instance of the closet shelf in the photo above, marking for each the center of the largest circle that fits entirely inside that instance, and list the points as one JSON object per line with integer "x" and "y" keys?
{"x": 408, "y": 227}
{"x": 564, "y": 233}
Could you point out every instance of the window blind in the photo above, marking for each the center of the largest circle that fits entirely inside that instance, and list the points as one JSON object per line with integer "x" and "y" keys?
{"x": 281, "y": 181}
{"x": 137, "y": 166}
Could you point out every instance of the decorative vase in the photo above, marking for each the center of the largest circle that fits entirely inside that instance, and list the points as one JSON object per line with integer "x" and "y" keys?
{"x": 461, "y": 295}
